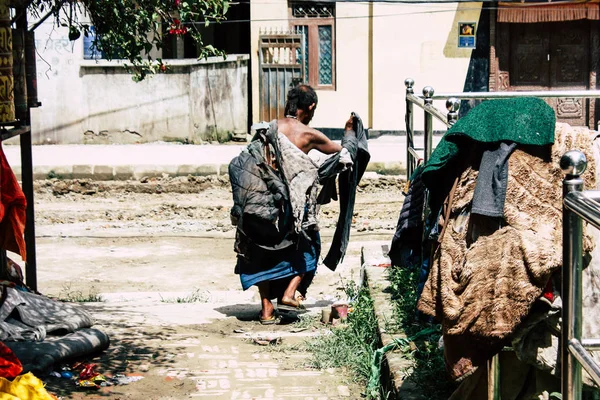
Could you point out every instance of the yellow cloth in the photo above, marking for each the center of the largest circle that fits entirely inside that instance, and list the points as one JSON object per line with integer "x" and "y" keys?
{"x": 24, "y": 387}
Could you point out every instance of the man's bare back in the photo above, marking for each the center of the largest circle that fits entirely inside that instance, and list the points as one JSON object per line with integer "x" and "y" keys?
{"x": 306, "y": 138}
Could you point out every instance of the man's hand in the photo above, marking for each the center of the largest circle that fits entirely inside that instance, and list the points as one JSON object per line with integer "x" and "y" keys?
{"x": 350, "y": 124}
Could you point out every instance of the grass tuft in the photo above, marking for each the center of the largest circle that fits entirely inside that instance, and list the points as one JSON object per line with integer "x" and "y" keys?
{"x": 428, "y": 370}
{"x": 350, "y": 346}
{"x": 77, "y": 296}
{"x": 197, "y": 296}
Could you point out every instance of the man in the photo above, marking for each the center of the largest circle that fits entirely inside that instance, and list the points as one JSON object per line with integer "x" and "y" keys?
{"x": 279, "y": 267}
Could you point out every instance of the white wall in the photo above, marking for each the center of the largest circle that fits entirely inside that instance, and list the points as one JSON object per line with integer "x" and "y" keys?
{"x": 409, "y": 40}
{"x": 88, "y": 101}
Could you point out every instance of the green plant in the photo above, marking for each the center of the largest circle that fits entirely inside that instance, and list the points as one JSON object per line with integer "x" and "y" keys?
{"x": 130, "y": 30}
{"x": 53, "y": 175}
{"x": 306, "y": 321}
{"x": 77, "y": 296}
{"x": 428, "y": 367}
{"x": 351, "y": 345}
{"x": 197, "y": 296}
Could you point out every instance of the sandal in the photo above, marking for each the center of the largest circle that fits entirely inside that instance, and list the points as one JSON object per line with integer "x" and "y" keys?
{"x": 266, "y": 321}
{"x": 290, "y": 305}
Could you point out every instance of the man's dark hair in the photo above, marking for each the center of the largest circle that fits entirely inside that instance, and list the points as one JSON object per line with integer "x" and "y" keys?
{"x": 300, "y": 98}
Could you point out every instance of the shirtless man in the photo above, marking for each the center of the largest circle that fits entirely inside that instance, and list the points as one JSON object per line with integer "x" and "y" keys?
{"x": 299, "y": 111}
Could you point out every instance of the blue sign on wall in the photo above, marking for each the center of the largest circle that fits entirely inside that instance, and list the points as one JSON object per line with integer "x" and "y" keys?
{"x": 466, "y": 34}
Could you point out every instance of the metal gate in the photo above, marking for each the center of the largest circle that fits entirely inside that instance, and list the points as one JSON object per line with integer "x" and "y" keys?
{"x": 281, "y": 57}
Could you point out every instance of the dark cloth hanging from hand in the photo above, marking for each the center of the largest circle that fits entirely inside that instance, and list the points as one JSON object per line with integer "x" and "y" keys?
{"x": 348, "y": 181}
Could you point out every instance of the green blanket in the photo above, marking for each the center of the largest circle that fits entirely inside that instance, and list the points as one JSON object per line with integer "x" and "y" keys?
{"x": 526, "y": 121}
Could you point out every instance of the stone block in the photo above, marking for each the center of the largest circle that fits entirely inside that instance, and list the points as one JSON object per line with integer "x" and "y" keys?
{"x": 154, "y": 171}
{"x": 387, "y": 168}
{"x": 52, "y": 171}
{"x": 83, "y": 171}
{"x": 103, "y": 172}
{"x": 124, "y": 172}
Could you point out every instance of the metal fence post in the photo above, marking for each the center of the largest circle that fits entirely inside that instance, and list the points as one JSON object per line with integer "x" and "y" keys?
{"x": 452, "y": 105}
{"x": 410, "y": 142}
{"x": 573, "y": 163}
{"x": 428, "y": 131}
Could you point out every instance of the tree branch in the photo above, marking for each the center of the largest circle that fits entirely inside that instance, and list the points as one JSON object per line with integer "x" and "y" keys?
{"x": 45, "y": 17}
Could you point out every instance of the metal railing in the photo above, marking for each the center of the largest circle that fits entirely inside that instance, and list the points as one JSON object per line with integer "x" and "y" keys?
{"x": 578, "y": 206}
{"x": 425, "y": 102}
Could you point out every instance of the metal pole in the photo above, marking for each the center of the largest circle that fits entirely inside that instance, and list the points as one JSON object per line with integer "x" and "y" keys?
{"x": 494, "y": 378}
{"x": 27, "y": 183}
{"x": 573, "y": 163}
{"x": 410, "y": 143}
{"x": 588, "y": 94}
{"x": 428, "y": 131}
{"x": 452, "y": 105}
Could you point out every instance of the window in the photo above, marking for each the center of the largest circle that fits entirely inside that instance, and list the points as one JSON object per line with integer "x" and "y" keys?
{"x": 316, "y": 23}
{"x": 88, "y": 52}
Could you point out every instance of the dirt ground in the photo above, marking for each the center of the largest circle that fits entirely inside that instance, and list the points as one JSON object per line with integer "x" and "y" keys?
{"x": 159, "y": 253}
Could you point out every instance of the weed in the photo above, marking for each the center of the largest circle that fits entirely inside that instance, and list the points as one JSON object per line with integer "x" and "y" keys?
{"x": 426, "y": 355}
{"x": 53, "y": 175}
{"x": 352, "y": 345}
{"x": 77, "y": 296}
{"x": 197, "y": 296}
{"x": 306, "y": 322}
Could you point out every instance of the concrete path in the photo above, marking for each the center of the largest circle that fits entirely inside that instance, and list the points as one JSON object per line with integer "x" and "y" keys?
{"x": 121, "y": 162}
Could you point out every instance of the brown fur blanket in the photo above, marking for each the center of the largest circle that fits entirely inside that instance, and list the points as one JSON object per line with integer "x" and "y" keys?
{"x": 487, "y": 273}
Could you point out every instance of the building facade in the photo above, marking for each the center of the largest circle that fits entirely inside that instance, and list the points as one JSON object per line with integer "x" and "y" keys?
{"x": 373, "y": 47}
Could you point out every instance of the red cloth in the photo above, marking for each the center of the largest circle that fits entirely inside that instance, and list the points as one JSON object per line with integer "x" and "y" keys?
{"x": 10, "y": 366}
{"x": 12, "y": 210}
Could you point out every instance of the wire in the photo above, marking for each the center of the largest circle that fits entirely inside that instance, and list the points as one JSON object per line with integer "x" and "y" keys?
{"x": 351, "y": 17}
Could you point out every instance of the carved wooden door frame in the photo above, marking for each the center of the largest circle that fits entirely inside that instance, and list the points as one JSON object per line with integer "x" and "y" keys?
{"x": 499, "y": 79}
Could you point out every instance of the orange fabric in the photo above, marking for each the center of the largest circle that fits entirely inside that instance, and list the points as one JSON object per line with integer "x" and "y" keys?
{"x": 547, "y": 12}
{"x": 12, "y": 210}
{"x": 10, "y": 366}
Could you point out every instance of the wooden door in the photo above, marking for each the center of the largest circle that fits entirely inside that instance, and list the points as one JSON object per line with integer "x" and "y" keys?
{"x": 281, "y": 58}
{"x": 570, "y": 70}
{"x": 547, "y": 56}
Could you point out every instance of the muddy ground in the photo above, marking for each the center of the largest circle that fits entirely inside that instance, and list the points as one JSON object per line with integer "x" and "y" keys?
{"x": 158, "y": 253}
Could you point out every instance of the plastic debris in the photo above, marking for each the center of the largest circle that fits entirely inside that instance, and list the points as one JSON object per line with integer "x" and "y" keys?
{"x": 66, "y": 374}
{"x": 267, "y": 341}
{"x": 95, "y": 382}
{"x": 120, "y": 379}
{"x": 88, "y": 371}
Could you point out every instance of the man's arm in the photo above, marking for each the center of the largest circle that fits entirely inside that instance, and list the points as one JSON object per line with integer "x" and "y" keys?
{"x": 322, "y": 143}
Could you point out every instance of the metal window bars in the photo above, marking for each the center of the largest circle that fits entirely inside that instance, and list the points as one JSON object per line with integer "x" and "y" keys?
{"x": 578, "y": 205}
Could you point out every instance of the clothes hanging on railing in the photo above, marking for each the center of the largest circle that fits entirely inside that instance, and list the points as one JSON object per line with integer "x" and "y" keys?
{"x": 486, "y": 276}
{"x": 12, "y": 210}
{"x": 406, "y": 243}
{"x": 526, "y": 121}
